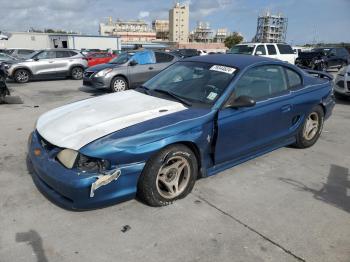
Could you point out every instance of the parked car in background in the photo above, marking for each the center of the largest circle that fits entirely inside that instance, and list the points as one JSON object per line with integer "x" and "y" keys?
{"x": 96, "y": 58}
{"x": 183, "y": 53}
{"x": 279, "y": 51}
{"x": 19, "y": 52}
{"x": 194, "y": 119}
{"x": 6, "y": 57}
{"x": 342, "y": 83}
{"x": 202, "y": 52}
{"x": 49, "y": 63}
{"x": 128, "y": 70}
{"x": 324, "y": 58}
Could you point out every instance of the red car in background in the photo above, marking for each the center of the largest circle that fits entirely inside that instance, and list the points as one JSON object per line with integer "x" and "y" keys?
{"x": 96, "y": 58}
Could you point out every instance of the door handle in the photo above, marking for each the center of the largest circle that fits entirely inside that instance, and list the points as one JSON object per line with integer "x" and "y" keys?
{"x": 150, "y": 68}
{"x": 286, "y": 108}
{"x": 51, "y": 62}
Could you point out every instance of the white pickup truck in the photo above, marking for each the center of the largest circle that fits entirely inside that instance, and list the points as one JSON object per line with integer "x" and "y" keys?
{"x": 279, "y": 51}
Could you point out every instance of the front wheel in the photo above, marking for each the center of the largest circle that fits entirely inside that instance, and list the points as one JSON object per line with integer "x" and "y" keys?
{"x": 168, "y": 176}
{"x": 21, "y": 76}
{"x": 312, "y": 128}
{"x": 77, "y": 73}
{"x": 119, "y": 84}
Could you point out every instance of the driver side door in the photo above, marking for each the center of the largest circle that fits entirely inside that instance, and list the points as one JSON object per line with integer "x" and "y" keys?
{"x": 143, "y": 70}
{"x": 246, "y": 131}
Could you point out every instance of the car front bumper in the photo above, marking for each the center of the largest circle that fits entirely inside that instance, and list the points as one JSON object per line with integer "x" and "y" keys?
{"x": 71, "y": 188}
{"x": 342, "y": 85}
{"x": 96, "y": 82}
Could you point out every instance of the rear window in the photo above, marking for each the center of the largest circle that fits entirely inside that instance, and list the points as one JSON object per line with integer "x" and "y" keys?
{"x": 285, "y": 49}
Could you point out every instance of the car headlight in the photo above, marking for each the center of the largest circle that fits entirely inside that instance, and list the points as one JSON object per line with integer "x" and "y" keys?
{"x": 103, "y": 72}
{"x": 67, "y": 157}
{"x": 91, "y": 164}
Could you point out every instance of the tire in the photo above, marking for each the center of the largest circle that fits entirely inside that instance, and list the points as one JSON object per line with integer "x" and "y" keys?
{"x": 311, "y": 129}
{"x": 77, "y": 73}
{"x": 168, "y": 176}
{"x": 119, "y": 84}
{"x": 21, "y": 76}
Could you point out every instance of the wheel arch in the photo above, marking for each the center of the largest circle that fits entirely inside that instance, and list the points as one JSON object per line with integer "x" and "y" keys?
{"x": 23, "y": 68}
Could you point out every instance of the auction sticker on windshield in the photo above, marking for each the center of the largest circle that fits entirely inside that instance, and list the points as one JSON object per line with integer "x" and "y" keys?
{"x": 223, "y": 69}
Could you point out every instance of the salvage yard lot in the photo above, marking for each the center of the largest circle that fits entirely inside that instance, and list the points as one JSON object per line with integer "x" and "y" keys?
{"x": 288, "y": 205}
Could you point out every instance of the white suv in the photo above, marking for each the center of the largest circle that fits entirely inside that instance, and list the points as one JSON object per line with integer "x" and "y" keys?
{"x": 279, "y": 51}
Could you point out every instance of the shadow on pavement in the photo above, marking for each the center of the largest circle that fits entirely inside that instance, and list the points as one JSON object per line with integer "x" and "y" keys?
{"x": 33, "y": 239}
{"x": 334, "y": 192}
{"x": 93, "y": 91}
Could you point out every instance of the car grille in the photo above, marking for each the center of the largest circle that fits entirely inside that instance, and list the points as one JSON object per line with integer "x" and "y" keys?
{"x": 88, "y": 74}
{"x": 87, "y": 83}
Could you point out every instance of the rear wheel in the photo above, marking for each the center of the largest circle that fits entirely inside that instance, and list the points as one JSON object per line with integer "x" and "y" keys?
{"x": 21, "y": 76}
{"x": 312, "y": 128}
{"x": 77, "y": 73}
{"x": 119, "y": 84}
{"x": 168, "y": 176}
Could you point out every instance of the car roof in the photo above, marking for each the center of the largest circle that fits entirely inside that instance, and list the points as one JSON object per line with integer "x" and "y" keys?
{"x": 233, "y": 60}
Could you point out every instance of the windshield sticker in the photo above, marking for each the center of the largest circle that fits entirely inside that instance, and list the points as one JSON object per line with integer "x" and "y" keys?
{"x": 223, "y": 69}
{"x": 212, "y": 96}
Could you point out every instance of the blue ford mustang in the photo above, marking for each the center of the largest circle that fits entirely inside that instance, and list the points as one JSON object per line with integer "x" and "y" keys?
{"x": 194, "y": 119}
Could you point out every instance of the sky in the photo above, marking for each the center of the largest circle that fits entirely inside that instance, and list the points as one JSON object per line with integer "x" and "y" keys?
{"x": 308, "y": 20}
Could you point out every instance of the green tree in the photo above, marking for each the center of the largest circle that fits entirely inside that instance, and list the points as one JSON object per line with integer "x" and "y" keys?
{"x": 233, "y": 40}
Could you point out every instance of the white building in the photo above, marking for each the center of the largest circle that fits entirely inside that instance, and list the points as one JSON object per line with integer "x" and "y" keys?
{"x": 36, "y": 41}
{"x": 179, "y": 19}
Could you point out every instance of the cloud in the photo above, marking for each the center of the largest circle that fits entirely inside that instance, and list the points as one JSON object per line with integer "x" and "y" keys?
{"x": 143, "y": 14}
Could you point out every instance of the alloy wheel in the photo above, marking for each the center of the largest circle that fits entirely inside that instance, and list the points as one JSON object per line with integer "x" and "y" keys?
{"x": 311, "y": 126}
{"x": 77, "y": 73}
{"x": 173, "y": 177}
{"x": 22, "y": 76}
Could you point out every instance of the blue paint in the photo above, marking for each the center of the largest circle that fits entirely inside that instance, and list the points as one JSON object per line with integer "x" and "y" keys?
{"x": 235, "y": 136}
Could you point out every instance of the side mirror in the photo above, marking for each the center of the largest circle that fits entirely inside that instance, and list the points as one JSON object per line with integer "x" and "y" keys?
{"x": 241, "y": 101}
{"x": 133, "y": 63}
{"x": 36, "y": 59}
{"x": 258, "y": 53}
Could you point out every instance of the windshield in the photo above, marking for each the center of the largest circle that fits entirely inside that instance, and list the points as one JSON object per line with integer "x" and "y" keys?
{"x": 194, "y": 82}
{"x": 242, "y": 49}
{"x": 121, "y": 59}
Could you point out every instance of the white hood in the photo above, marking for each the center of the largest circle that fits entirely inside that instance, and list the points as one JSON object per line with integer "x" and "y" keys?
{"x": 77, "y": 124}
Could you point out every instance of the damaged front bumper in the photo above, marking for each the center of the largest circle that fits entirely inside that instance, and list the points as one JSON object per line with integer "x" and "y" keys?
{"x": 73, "y": 189}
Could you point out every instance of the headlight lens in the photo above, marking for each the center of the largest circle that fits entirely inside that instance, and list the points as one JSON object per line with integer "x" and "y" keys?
{"x": 67, "y": 157}
{"x": 103, "y": 72}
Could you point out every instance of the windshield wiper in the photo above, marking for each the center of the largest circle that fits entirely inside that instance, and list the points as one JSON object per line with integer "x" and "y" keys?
{"x": 171, "y": 94}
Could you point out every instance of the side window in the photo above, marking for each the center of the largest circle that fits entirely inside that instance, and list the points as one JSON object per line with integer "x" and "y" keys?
{"x": 262, "y": 82}
{"x": 285, "y": 49}
{"x": 63, "y": 54}
{"x": 260, "y": 48}
{"x": 294, "y": 78}
{"x": 333, "y": 52}
{"x": 163, "y": 57}
{"x": 144, "y": 58}
{"x": 24, "y": 52}
{"x": 46, "y": 55}
{"x": 271, "y": 49}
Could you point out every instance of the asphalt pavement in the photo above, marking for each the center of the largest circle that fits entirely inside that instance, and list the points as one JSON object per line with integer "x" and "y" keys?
{"x": 288, "y": 205}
